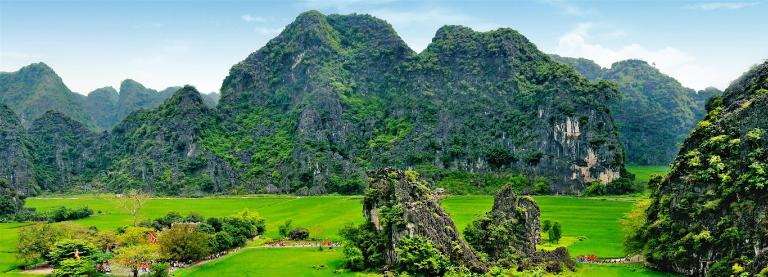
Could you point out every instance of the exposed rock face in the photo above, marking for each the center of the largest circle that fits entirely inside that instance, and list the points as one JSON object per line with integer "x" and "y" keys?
{"x": 522, "y": 210}
{"x": 509, "y": 232}
{"x": 159, "y": 151}
{"x": 15, "y": 160}
{"x": 400, "y": 205}
{"x": 711, "y": 211}
{"x": 343, "y": 93}
{"x": 65, "y": 153}
{"x": 655, "y": 112}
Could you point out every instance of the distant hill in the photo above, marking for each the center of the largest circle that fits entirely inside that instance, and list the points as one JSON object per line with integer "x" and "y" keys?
{"x": 35, "y": 89}
{"x": 108, "y": 106}
{"x": 655, "y": 112}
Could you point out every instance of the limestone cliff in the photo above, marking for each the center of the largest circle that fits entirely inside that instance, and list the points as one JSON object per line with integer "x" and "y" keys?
{"x": 399, "y": 205}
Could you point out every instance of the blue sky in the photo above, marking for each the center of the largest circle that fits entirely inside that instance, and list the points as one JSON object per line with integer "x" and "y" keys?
{"x": 93, "y": 44}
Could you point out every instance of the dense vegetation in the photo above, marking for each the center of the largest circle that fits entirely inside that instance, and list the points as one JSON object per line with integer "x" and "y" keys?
{"x": 327, "y": 100}
{"x": 708, "y": 216}
{"x": 654, "y": 113}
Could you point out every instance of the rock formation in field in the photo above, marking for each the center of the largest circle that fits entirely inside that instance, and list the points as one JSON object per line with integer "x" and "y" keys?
{"x": 510, "y": 231}
{"x": 15, "y": 161}
{"x": 654, "y": 114}
{"x": 399, "y": 204}
{"x": 710, "y": 213}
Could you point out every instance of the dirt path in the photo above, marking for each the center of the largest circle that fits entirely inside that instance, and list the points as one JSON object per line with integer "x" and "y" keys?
{"x": 39, "y": 271}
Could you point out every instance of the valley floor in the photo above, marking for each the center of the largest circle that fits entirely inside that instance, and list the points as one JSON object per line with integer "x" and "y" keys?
{"x": 590, "y": 226}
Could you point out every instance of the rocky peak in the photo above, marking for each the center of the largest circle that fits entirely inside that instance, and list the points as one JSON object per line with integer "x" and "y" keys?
{"x": 185, "y": 100}
{"x": 399, "y": 204}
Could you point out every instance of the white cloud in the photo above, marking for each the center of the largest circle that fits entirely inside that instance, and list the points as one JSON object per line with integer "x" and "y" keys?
{"x": 709, "y": 6}
{"x": 250, "y": 18}
{"x": 669, "y": 60}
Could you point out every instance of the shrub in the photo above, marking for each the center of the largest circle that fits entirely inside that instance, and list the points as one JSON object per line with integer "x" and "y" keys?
{"x": 555, "y": 233}
{"x": 284, "y": 228}
{"x": 298, "y": 234}
{"x": 183, "y": 242}
{"x": 541, "y": 186}
{"x": 64, "y": 214}
{"x": 418, "y": 256}
{"x": 545, "y": 225}
{"x": 75, "y": 267}
{"x": 65, "y": 249}
{"x": 158, "y": 269}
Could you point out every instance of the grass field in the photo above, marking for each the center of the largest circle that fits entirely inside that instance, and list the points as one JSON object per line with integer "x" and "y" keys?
{"x": 274, "y": 262}
{"x": 590, "y": 225}
{"x": 643, "y": 172}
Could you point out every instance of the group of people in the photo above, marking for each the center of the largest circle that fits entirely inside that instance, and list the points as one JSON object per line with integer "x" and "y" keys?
{"x": 587, "y": 258}
{"x": 105, "y": 268}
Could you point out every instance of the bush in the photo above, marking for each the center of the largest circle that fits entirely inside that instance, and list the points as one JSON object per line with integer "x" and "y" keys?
{"x": 65, "y": 214}
{"x": 418, "y": 256}
{"x": 284, "y": 228}
{"x": 595, "y": 188}
{"x": 158, "y": 269}
{"x": 555, "y": 233}
{"x": 545, "y": 225}
{"x": 221, "y": 241}
{"x": 65, "y": 249}
{"x": 74, "y": 267}
{"x": 541, "y": 186}
{"x": 363, "y": 247}
{"x": 298, "y": 234}
{"x": 183, "y": 242}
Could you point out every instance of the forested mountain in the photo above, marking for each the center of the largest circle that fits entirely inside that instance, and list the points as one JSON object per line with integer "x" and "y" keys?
{"x": 710, "y": 213}
{"x": 108, "y": 106}
{"x": 211, "y": 99}
{"x": 35, "y": 89}
{"x": 65, "y": 153}
{"x": 655, "y": 112}
{"x": 16, "y": 161}
{"x": 334, "y": 96}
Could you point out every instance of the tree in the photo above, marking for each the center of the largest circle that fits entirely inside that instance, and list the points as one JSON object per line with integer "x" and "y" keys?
{"x": 134, "y": 236}
{"x": 133, "y": 256}
{"x": 35, "y": 241}
{"x": 10, "y": 200}
{"x": 70, "y": 249}
{"x": 75, "y": 267}
{"x": 298, "y": 234}
{"x": 555, "y": 233}
{"x": 418, "y": 256}
{"x": 132, "y": 202}
{"x": 545, "y": 225}
{"x": 183, "y": 242}
{"x": 284, "y": 228}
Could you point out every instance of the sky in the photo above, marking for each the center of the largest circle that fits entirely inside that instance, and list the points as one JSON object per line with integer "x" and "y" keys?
{"x": 93, "y": 44}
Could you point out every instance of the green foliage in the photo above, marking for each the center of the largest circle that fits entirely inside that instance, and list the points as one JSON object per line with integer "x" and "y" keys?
{"x": 134, "y": 256}
{"x": 66, "y": 249}
{"x": 707, "y": 207}
{"x": 64, "y": 214}
{"x": 417, "y": 256}
{"x": 298, "y": 234}
{"x": 284, "y": 228}
{"x": 555, "y": 233}
{"x": 541, "y": 185}
{"x": 72, "y": 267}
{"x": 159, "y": 269}
{"x": 545, "y": 225}
{"x": 496, "y": 237}
{"x": 183, "y": 242}
{"x": 363, "y": 247}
